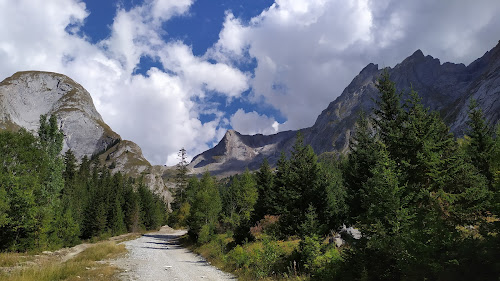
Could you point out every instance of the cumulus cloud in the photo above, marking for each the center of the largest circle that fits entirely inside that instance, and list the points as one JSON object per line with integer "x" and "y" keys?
{"x": 308, "y": 51}
{"x": 251, "y": 123}
{"x": 160, "y": 110}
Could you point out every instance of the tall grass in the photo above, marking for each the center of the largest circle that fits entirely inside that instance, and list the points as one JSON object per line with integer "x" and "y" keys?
{"x": 12, "y": 259}
{"x": 83, "y": 267}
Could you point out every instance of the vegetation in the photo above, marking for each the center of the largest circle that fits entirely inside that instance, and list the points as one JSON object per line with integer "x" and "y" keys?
{"x": 426, "y": 204}
{"x": 84, "y": 266}
{"x": 48, "y": 201}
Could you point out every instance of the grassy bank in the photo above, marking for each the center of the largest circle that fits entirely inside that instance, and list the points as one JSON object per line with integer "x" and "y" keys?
{"x": 66, "y": 264}
{"x": 264, "y": 259}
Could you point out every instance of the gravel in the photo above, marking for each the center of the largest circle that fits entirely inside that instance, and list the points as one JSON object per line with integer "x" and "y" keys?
{"x": 158, "y": 256}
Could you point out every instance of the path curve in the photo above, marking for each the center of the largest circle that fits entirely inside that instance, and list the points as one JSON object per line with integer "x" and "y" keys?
{"x": 158, "y": 256}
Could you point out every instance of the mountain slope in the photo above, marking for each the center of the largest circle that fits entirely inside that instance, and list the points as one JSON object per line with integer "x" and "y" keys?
{"x": 445, "y": 87}
{"x": 26, "y": 95}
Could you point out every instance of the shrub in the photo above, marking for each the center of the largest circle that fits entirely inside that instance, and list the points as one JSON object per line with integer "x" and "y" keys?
{"x": 265, "y": 259}
{"x": 205, "y": 234}
{"x": 266, "y": 226}
{"x": 238, "y": 257}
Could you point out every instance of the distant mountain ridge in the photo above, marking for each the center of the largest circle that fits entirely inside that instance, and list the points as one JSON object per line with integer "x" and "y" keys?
{"x": 446, "y": 88}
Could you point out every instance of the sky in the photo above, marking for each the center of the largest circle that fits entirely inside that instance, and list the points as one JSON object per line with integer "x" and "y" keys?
{"x": 169, "y": 74}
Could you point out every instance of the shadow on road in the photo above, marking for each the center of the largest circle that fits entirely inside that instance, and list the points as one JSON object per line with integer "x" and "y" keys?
{"x": 168, "y": 241}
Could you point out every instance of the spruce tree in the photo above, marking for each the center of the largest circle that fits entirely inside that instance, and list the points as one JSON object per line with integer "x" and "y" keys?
{"x": 388, "y": 115}
{"x": 206, "y": 207}
{"x": 298, "y": 185}
{"x": 481, "y": 142}
{"x": 267, "y": 195}
{"x": 358, "y": 168}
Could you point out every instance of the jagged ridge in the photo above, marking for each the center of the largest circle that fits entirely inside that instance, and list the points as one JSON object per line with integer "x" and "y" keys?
{"x": 446, "y": 88}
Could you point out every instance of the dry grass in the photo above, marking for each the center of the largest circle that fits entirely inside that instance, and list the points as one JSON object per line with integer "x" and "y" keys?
{"x": 85, "y": 266}
{"x": 13, "y": 259}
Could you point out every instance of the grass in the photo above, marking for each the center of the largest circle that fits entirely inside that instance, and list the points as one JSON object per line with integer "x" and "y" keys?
{"x": 12, "y": 259}
{"x": 85, "y": 266}
{"x": 251, "y": 261}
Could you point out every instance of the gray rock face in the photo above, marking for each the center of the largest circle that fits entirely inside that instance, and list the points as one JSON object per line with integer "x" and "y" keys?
{"x": 446, "y": 88}
{"x": 26, "y": 95}
{"x": 236, "y": 152}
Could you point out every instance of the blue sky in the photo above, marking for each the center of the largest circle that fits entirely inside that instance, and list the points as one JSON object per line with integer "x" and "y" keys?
{"x": 168, "y": 74}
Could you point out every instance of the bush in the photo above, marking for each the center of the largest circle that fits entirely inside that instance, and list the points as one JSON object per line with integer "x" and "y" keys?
{"x": 310, "y": 249}
{"x": 267, "y": 226}
{"x": 265, "y": 259}
{"x": 205, "y": 234}
{"x": 327, "y": 265}
{"x": 238, "y": 257}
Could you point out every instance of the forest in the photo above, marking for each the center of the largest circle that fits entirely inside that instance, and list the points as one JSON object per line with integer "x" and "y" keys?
{"x": 410, "y": 201}
{"x": 426, "y": 204}
{"x": 49, "y": 200}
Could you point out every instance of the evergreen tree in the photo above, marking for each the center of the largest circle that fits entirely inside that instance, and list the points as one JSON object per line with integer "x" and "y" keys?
{"x": 358, "y": 167}
{"x": 267, "y": 195}
{"x": 389, "y": 115}
{"x": 20, "y": 180}
{"x": 241, "y": 197}
{"x": 206, "y": 207}
{"x": 299, "y": 181}
{"x": 481, "y": 143}
{"x": 181, "y": 177}
{"x": 332, "y": 200}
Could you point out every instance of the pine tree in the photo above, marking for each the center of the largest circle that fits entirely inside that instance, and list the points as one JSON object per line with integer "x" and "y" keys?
{"x": 389, "y": 115}
{"x": 332, "y": 207}
{"x": 481, "y": 142}
{"x": 298, "y": 185}
{"x": 206, "y": 206}
{"x": 358, "y": 167}
{"x": 267, "y": 195}
{"x": 181, "y": 176}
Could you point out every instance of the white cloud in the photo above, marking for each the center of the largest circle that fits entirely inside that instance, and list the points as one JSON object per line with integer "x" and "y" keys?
{"x": 251, "y": 123}
{"x": 309, "y": 50}
{"x": 202, "y": 74}
{"x": 157, "y": 111}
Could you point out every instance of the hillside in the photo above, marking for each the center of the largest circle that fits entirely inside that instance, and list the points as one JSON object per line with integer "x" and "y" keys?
{"x": 26, "y": 95}
{"x": 444, "y": 87}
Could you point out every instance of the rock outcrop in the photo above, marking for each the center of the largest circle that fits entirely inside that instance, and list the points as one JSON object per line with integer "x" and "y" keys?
{"x": 446, "y": 88}
{"x": 236, "y": 152}
{"x": 26, "y": 95}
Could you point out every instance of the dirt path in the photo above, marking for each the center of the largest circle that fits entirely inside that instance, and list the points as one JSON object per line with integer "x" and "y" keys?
{"x": 158, "y": 256}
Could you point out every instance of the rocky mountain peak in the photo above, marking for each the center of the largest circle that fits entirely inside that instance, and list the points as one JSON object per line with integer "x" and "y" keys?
{"x": 26, "y": 95}
{"x": 446, "y": 88}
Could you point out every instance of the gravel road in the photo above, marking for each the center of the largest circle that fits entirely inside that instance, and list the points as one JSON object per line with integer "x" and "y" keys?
{"x": 158, "y": 256}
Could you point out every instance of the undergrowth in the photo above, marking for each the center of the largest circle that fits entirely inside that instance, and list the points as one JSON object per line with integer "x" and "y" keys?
{"x": 85, "y": 266}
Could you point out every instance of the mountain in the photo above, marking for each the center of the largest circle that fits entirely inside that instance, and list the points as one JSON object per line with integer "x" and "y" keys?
{"x": 26, "y": 95}
{"x": 446, "y": 88}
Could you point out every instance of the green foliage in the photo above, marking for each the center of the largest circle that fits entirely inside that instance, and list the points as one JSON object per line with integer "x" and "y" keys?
{"x": 410, "y": 189}
{"x": 481, "y": 144}
{"x": 363, "y": 156}
{"x": 238, "y": 201}
{"x": 267, "y": 194}
{"x": 206, "y": 204}
{"x": 205, "y": 233}
{"x": 427, "y": 205}
{"x": 48, "y": 201}
{"x": 298, "y": 183}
